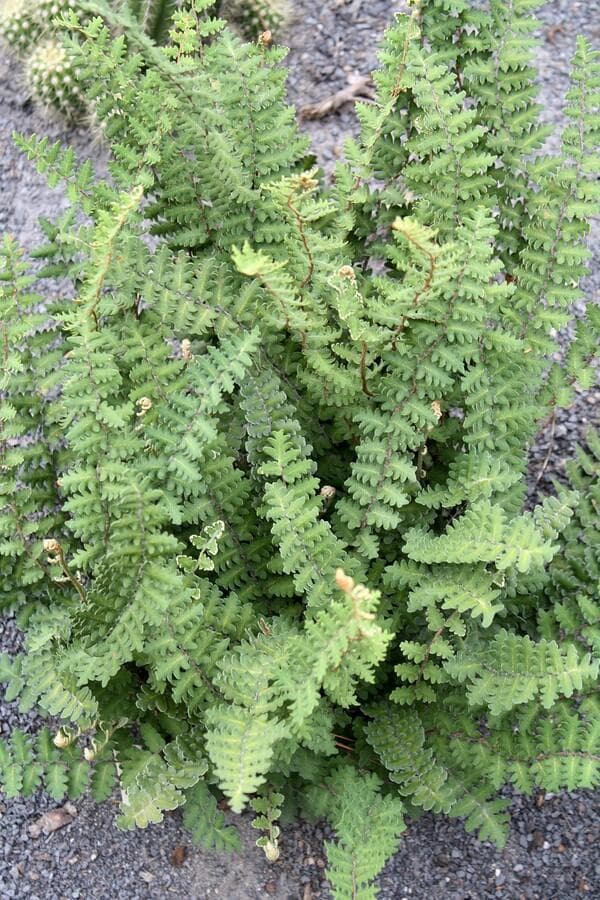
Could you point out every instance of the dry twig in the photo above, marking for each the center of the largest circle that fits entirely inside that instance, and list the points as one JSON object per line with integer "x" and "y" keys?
{"x": 359, "y": 87}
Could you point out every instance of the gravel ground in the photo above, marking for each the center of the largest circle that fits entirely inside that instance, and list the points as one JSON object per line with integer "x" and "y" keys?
{"x": 551, "y": 853}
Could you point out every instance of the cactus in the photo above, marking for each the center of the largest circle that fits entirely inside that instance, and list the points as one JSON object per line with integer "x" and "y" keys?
{"x": 52, "y": 78}
{"x": 257, "y": 16}
{"x": 155, "y": 16}
{"x": 27, "y": 27}
{"x": 20, "y": 27}
{"x": 46, "y": 10}
{"x": 23, "y": 23}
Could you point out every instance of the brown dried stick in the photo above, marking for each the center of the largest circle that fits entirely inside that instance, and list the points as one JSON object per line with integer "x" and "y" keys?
{"x": 359, "y": 86}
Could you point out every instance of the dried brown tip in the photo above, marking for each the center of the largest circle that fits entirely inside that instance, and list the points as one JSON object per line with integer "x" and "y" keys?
{"x": 343, "y": 581}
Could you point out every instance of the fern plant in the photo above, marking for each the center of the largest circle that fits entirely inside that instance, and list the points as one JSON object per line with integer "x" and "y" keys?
{"x": 264, "y": 519}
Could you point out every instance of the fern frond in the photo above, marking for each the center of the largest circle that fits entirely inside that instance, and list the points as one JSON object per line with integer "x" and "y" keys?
{"x": 368, "y": 826}
{"x": 514, "y": 670}
{"x": 206, "y": 823}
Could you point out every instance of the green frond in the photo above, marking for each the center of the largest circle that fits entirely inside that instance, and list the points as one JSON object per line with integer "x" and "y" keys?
{"x": 399, "y": 740}
{"x": 513, "y": 669}
{"x": 28, "y": 762}
{"x": 483, "y": 534}
{"x": 155, "y": 782}
{"x": 205, "y": 821}
{"x": 240, "y": 744}
{"x": 368, "y": 825}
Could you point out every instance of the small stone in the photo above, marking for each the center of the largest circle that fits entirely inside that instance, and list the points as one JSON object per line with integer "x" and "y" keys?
{"x": 178, "y": 855}
{"x": 146, "y": 876}
{"x": 537, "y": 839}
{"x": 271, "y": 887}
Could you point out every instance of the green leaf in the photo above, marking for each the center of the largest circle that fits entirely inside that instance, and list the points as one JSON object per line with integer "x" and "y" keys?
{"x": 205, "y": 821}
